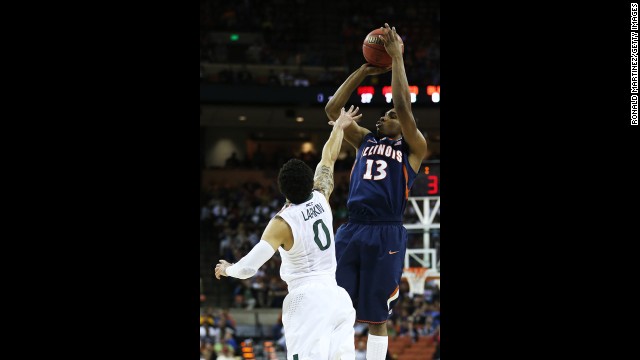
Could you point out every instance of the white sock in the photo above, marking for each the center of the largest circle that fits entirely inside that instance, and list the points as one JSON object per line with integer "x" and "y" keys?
{"x": 377, "y": 347}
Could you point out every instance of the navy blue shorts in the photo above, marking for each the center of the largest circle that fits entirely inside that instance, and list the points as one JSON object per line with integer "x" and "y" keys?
{"x": 370, "y": 261}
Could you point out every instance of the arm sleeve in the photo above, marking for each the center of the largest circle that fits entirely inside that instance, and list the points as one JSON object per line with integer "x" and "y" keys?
{"x": 249, "y": 265}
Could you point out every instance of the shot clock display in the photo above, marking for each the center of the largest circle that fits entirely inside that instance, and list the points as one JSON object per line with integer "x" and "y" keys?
{"x": 427, "y": 182}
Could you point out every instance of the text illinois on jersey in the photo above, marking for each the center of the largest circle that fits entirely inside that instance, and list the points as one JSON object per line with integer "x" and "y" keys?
{"x": 385, "y": 150}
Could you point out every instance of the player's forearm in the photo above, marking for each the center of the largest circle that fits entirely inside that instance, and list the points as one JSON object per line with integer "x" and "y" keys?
{"x": 342, "y": 95}
{"x": 249, "y": 265}
{"x": 323, "y": 177}
{"x": 400, "y": 87}
{"x": 332, "y": 147}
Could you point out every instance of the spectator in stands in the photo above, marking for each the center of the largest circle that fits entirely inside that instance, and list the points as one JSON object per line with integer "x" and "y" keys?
{"x": 220, "y": 346}
{"x": 206, "y": 351}
{"x": 229, "y": 340}
{"x": 259, "y": 289}
{"x": 277, "y": 292}
{"x": 227, "y": 319}
{"x": 225, "y": 354}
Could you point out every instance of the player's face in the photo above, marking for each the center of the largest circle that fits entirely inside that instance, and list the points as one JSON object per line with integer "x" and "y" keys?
{"x": 388, "y": 125}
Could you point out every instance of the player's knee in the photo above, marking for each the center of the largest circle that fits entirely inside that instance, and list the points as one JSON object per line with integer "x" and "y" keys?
{"x": 378, "y": 329}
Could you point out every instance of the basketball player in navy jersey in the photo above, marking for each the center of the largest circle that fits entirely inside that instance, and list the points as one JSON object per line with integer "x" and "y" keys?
{"x": 371, "y": 246}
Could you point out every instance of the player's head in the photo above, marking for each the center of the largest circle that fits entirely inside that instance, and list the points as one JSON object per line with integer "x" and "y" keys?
{"x": 295, "y": 181}
{"x": 388, "y": 125}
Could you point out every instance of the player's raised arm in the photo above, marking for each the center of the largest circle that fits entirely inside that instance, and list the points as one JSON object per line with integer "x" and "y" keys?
{"x": 402, "y": 99}
{"x": 354, "y": 133}
{"x": 323, "y": 178}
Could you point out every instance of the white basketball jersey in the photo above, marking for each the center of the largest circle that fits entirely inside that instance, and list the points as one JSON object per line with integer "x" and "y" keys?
{"x": 313, "y": 251}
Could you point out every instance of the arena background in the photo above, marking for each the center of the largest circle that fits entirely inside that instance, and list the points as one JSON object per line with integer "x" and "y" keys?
{"x": 267, "y": 69}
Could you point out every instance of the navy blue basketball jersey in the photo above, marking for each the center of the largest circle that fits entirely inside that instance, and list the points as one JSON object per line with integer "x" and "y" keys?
{"x": 380, "y": 180}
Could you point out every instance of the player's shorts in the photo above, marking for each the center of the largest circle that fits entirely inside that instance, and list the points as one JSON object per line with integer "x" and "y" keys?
{"x": 318, "y": 321}
{"x": 370, "y": 262}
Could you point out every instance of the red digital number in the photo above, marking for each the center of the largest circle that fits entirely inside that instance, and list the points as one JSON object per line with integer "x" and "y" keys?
{"x": 432, "y": 184}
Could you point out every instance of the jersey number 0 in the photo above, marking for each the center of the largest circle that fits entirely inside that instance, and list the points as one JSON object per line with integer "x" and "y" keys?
{"x": 316, "y": 234}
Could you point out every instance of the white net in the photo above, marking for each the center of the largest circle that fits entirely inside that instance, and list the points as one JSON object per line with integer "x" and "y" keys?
{"x": 416, "y": 278}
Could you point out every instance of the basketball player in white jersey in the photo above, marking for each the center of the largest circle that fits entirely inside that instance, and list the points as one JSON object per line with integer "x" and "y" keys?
{"x": 318, "y": 315}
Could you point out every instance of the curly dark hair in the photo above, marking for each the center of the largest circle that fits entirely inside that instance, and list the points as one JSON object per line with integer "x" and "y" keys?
{"x": 295, "y": 181}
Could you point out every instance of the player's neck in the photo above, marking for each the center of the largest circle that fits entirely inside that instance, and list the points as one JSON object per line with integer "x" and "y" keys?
{"x": 287, "y": 201}
{"x": 397, "y": 137}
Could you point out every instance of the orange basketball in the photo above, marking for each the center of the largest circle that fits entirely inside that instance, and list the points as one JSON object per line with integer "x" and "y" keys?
{"x": 374, "y": 51}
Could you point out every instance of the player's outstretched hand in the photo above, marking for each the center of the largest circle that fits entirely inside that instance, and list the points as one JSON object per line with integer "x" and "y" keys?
{"x": 390, "y": 40}
{"x": 346, "y": 118}
{"x": 373, "y": 70}
{"x": 221, "y": 269}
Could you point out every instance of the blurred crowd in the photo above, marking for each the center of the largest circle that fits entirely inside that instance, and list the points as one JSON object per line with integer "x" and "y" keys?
{"x": 413, "y": 318}
{"x": 293, "y": 37}
{"x": 217, "y": 335}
